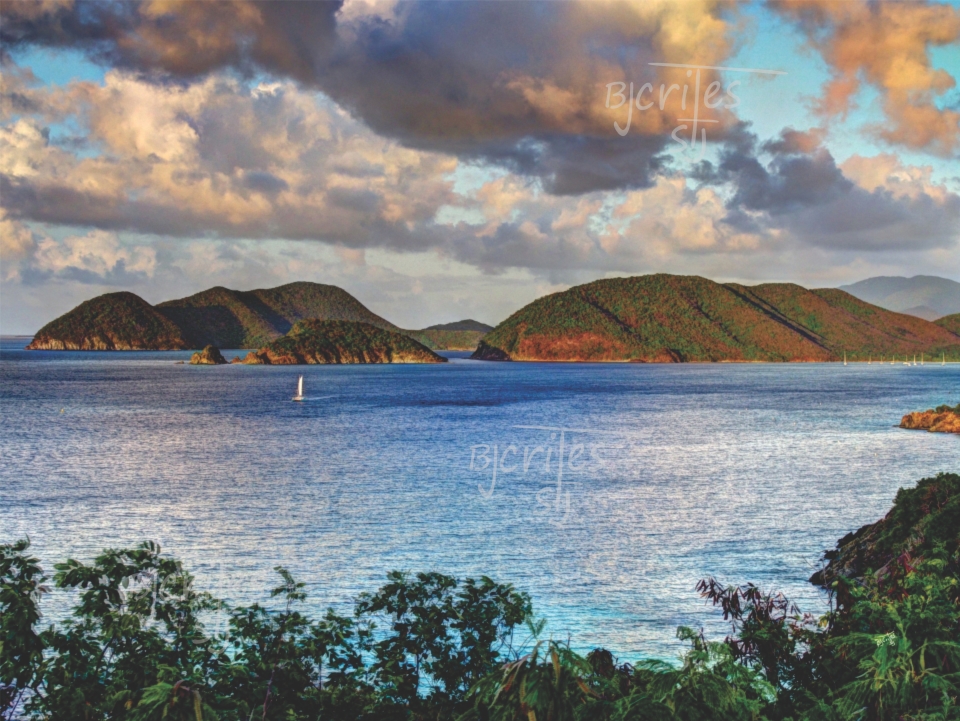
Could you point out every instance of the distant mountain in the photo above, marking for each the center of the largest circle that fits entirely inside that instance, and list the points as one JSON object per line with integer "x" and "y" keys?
{"x": 950, "y": 322}
{"x": 447, "y": 339}
{"x": 461, "y": 335}
{"x": 668, "y": 318}
{"x": 337, "y": 341}
{"x": 925, "y": 296}
{"x": 250, "y": 319}
{"x": 115, "y": 321}
{"x": 462, "y": 325}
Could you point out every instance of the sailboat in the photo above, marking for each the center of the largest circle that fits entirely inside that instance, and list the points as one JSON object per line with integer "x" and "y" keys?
{"x": 844, "y": 357}
{"x": 914, "y": 358}
{"x": 921, "y": 359}
{"x": 299, "y": 396}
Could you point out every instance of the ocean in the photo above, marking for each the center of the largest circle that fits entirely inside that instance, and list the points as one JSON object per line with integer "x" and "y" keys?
{"x": 669, "y": 474}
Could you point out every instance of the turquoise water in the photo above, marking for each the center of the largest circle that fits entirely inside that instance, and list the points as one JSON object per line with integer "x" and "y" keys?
{"x": 675, "y": 472}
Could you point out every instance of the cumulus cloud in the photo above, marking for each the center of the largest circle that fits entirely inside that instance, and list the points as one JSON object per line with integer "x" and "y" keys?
{"x": 218, "y": 156}
{"x": 97, "y": 258}
{"x": 519, "y": 84}
{"x": 887, "y": 46}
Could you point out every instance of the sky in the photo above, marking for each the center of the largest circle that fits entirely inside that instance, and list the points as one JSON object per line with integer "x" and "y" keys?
{"x": 446, "y": 160}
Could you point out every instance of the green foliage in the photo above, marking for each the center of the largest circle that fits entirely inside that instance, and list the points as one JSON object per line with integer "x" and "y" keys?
{"x": 432, "y": 647}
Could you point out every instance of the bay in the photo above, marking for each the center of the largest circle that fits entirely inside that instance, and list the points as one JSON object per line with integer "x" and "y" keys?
{"x": 671, "y": 473}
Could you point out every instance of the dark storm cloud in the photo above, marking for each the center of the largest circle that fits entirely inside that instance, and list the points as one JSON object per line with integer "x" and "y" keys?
{"x": 794, "y": 183}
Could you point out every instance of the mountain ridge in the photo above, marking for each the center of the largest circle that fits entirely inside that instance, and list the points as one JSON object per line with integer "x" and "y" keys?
{"x": 925, "y": 296}
{"x": 250, "y": 319}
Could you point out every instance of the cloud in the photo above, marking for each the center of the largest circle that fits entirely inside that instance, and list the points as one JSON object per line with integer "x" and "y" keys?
{"x": 868, "y": 205}
{"x": 518, "y": 84}
{"x": 886, "y": 45}
{"x": 96, "y": 258}
{"x": 220, "y": 157}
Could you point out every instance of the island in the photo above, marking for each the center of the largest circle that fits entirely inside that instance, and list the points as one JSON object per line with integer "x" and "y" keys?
{"x": 209, "y": 356}
{"x": 673, "y": 319}
{"x": 942, "y": 419}
{"x": 226, "y": 318}
{"x": 114, "y": 321}
{"x": 335, "y": 341}
{"x": 459, "y": 335}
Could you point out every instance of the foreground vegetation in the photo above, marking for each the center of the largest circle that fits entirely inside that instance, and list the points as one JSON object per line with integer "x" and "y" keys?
{"x": 431, "y": 647}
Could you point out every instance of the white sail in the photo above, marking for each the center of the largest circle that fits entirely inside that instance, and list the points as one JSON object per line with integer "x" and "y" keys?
{"x": 300, "y": 386}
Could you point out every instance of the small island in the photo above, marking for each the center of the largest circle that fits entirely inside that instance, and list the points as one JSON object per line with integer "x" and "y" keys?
{"x": 209, "y": 356}
{"x": 337, "y": 341}
{"x": 942, "y": 419}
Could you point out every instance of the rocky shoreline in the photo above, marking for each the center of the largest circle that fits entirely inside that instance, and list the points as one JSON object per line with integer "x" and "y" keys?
{"x": 942, "y": 419}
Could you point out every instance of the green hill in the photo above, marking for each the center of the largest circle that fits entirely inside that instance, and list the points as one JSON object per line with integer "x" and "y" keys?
{"x": 250, "y": 319}
{"x": 468, "y": 324}
{"x": 669, "y": 318}
{"x": 114, "y": 321}
{"x": 447, "y": 339}
{"x": 950, "y": 322}
{"x": 337, "y": 341}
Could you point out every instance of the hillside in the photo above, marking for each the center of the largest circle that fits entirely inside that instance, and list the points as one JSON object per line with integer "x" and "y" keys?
{"x": 950, "y": 322}
{"x": 668, "y": 318}
{"x": 924, "y": 296}
{"x": 336, "y": 341}
{"x": 114, "y": 321}
{"x": 250, "y": 319}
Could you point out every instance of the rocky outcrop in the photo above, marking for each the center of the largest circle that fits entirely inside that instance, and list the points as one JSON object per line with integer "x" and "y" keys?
{"x": 942, "y": 419}
{"x": 335, "y": 342}
{"x": 209, "y": 356}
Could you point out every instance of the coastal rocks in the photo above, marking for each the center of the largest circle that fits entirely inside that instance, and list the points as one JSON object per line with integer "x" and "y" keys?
{"x": 209, "y": 356}
{"x": 335, "y": 342}
{"x": 942, "y": 419}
